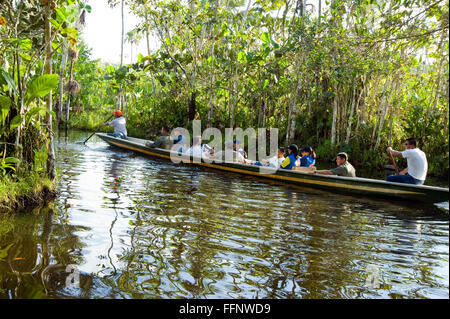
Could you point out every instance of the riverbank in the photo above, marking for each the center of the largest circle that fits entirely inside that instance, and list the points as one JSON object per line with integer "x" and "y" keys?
{"x": 28, "y": 191}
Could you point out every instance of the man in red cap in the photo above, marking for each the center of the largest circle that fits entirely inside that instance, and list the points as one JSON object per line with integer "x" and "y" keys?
{"x": 119, "y": 125}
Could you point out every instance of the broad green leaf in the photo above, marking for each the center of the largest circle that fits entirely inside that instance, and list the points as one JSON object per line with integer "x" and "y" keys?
{"x": 15, "y": 122}
{"x": 110, "y": 69}
{"x": 26, "y": 44}
{"x": 176, "y": 39}
{"x": 242, "y": 57}
{"x": 11, "y": 160}
{"x": 61, "y": 14}
{"x": 36, "y": 110}
{"x": 8, "y": 80}
{"x": 4, "y": 252}
{"x": 265, "y": 37}
{"x": 41, "y": 86}
{"x": 5, "y": 104}
{"x": 70, "y": 31}
{"x": 54, "y": 23}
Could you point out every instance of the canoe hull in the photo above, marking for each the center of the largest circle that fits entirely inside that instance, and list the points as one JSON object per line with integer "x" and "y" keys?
{"x": 345, "y": 185}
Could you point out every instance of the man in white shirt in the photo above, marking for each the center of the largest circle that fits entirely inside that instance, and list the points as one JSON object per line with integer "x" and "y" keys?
{"x": 274, "y": 161}
{"x": 416, "y": 172}
{"x": 196, "y": 149}
{"x": 119, "y": 125}
{"x": 229, "y": 155}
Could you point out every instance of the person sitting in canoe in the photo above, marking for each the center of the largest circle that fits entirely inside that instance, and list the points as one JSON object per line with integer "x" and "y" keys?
{"x": 274, "y": 161}
{"x": 228, "y": 154}
{"x": 119, "y": 125}
{"x": 308, "y": 158}
{"x": 207, "y": 149}
{"x": 180, "y": 140}
{"x": 196, "y": 150}
{"x": 237, "y": 148}
{"x": 416, "y": 172}
{"x": 344, "y": 167}
{"x": 163, "y": 141}
{"x": 290, "y": 161}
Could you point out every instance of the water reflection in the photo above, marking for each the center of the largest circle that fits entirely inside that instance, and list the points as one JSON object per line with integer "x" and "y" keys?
{"x": 137, "y": 227}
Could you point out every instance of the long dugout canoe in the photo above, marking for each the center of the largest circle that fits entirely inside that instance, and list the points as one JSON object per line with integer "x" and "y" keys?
{"x": 345, "y": 185}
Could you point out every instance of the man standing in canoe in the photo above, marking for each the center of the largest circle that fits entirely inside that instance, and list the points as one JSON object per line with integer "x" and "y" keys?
{"x": 119, "y": 125}
{"x": 344, "y": 167}
{"x": 416, "y": 172}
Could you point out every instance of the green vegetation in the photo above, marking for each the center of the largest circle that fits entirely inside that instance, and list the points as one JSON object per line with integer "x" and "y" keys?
{"x": 32, "y": 34}
{"x": 28, "y": 190}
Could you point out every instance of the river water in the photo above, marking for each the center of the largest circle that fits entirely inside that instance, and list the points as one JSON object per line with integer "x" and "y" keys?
{"x": 131, "y": 226}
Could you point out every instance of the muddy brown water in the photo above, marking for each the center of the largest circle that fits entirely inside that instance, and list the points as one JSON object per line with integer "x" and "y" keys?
{"x": 130, "y": 226}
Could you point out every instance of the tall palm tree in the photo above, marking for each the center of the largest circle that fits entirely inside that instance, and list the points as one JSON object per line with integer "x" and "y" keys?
{"x": 133, "y": 38}
{"x": 122, "y": 37}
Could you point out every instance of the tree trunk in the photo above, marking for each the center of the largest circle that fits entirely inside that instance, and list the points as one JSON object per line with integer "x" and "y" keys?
{"x": 261, "y": 112}
{"x": 385, "y": 109}
{"x": 192, "y": 103}
{"x": 446, "y": 111}
{"x": 352, "y": 111}
{"x": 333, "y": 124}
{"x": 61, "y": 81}
{"x": 122, "y": 37}
{"x": 121, "y": 54}
{"x": 439, "y": 75}
{"x": 350, "y": 117}
{"x": 18, "y": 149}
{"x": 320, "y": 10}
{"x": 147, "y": 35}
{"x": 288, "y": 122}
{"x": 68, "y": 96}
{"x": 211, "y": 54}
{"x": 235, "y": 82}
{"x": 51, "y": 160}
{"x": 294, "y": 110}
{"x": 363, "y": 109}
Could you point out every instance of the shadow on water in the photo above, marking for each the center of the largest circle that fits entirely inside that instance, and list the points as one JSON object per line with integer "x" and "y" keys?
{"x": 129, "y": 226}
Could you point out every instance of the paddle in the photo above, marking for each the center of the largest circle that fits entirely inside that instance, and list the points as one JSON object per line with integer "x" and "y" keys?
{"x": 393, "y": 162}
{"x": 94, "y": 132}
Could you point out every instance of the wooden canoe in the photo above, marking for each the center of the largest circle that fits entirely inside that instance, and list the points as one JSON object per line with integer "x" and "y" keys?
{"x": 346, "y": 185}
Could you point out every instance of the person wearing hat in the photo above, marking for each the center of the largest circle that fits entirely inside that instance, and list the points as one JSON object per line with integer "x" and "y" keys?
{"x": 237, "y": 148}
{"x": 119, "y": 125}
{"x": 344, "y": 167}
{"x": 308, "y": 158}
{"x": 290, "y": 161}
{"x": 180, "y": 140}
